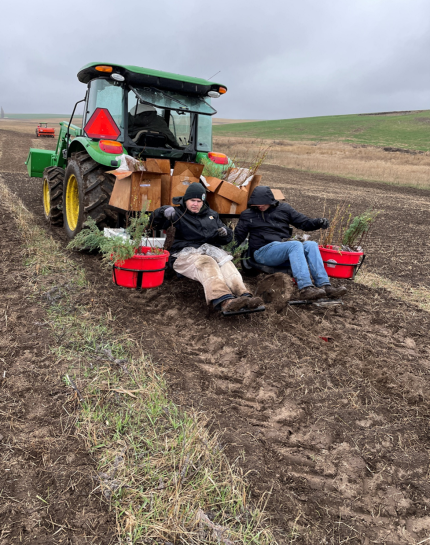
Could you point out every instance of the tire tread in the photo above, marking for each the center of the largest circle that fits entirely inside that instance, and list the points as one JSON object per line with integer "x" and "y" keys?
{"x": 55, "y": 178}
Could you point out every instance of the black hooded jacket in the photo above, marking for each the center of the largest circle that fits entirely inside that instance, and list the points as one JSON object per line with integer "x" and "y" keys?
{"x": 192, "y": 230}
{"x": 271, "y": 225}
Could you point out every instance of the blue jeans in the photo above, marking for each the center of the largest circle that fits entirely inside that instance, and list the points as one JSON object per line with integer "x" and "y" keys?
{"x": 301, "y": 256}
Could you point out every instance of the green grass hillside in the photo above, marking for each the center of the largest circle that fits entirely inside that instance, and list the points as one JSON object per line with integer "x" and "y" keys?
{"x": 401, "y": 130}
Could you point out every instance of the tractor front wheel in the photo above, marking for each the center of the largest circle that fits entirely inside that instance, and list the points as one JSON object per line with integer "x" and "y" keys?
{"x": 87, "y": 190}
{"x": 52, "y": 195}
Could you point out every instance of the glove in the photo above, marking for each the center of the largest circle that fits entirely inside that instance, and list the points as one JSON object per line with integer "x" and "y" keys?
{"x": 324, "y": 223}
{"x": 222, "y": 232}
{"x": 169, "y": 213}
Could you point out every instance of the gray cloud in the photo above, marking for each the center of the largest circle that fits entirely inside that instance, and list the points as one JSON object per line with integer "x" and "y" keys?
{"x": 278, "y": 58}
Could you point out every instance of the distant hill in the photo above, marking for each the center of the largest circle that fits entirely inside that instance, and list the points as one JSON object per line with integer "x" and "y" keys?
{"x": 406, "y": 130}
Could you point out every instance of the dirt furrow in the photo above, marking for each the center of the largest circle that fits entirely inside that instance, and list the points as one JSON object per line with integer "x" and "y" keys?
{"x": 335, "y": 431}
{"x": 47, "y": 476}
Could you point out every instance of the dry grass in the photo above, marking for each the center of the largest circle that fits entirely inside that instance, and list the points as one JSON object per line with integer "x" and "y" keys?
{"x": 419, "y": 297}
{"x": 163, "y": 473}
{"x": 222, "y": 121}
{"x": 351, "y": 161}
{"x": 28, "y": 126}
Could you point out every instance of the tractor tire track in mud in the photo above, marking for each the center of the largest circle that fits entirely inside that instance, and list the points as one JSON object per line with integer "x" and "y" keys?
{"x": 337, "y": 432}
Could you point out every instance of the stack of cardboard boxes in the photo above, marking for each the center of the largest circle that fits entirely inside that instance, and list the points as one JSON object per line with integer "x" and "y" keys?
{"x": 159, "y": 184}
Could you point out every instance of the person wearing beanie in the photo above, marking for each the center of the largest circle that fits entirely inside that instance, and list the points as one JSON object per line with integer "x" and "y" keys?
{"x": 267, "y": 222}
{"x": 195, "y": 191}
{"x": 196, "y": 250}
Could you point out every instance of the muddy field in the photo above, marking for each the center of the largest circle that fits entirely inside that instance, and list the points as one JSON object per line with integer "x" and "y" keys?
{"x": 337, "y": 432}
{"x": 47, "y": 476}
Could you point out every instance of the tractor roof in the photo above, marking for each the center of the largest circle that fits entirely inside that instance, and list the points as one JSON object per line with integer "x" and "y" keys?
{"x": 138, "y": 77}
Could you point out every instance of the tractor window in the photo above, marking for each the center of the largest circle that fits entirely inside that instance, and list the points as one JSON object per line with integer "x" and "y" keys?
{"x": 180, "y": 125}
{"x": 133, "y": 103}
{"x": 150, "y": 126}
{"x": 204, "y": 133}
{"x": 176, "y": 101}
{"x": 104, "y": 94}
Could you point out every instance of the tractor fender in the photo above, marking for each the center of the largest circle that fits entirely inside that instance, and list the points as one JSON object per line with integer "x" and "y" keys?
{"x": 81, "y": 143}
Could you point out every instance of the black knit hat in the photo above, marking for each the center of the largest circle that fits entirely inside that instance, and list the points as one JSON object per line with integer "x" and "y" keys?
{"x": 195, "y": 191}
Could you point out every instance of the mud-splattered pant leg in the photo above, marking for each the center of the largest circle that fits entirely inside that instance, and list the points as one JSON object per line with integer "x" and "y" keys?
{"x": 233, "y": 279}
{"x": 205, "y": 270}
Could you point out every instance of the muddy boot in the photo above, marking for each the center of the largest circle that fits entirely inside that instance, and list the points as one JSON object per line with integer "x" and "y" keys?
{"x": 311, "y": 292}
{"x": 254, "y": 302}
{"x": 233, "y": 305}
{"x": 331, "y": 291}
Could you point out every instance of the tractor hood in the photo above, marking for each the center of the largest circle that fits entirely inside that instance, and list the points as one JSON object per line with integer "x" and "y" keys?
{"x": 136, "y": 76}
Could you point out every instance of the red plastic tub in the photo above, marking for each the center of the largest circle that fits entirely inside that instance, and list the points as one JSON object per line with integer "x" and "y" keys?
{"x": 141, "y": 271}
{"x": 340, "y": 264}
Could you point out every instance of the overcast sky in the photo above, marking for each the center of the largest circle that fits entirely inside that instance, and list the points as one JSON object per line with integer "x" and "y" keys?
{"x": 278, "y": 58}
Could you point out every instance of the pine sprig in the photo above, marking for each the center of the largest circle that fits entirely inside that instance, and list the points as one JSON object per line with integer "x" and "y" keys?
{"x": 359, "y": 228}
{"x": 113, "y": 249}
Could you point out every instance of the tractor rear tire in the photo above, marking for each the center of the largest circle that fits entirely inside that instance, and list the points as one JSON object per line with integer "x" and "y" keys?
{"x": 87, "y": 190}
{"x": 52, "y": 195}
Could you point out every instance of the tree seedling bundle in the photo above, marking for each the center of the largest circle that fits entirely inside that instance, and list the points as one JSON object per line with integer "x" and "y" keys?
{"x": 347, "y": 233}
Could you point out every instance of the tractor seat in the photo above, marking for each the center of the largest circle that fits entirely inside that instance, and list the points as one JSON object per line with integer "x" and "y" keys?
{"x": 150, "y": 139}
{"x": 250, "y": 267}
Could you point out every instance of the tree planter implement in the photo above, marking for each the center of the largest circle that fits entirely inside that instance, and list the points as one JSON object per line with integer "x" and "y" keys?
{"x": 340, "y": 264}
{"x": 141, "y": 271}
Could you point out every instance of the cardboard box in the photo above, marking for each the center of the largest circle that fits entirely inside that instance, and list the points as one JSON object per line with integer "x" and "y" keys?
{"x": 161, "y": 166}
{"x": 130, "y": 193}
{"x": 121, "y": 193}
{"x": 233, "y": 193}
{"x": 277, "y": 193}
{"x": 166, "y": 189}
{"x": 131, "y": 189}
{"x": 184, "y": 174}
{"x": 145, "y": 186}
{"x": 223, "y": 205}
{"x": 253, "y": 184}
{"x": 212, "y": 183}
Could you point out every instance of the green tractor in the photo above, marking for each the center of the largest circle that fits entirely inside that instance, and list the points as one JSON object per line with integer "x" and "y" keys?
{"x": 128, "y": 110}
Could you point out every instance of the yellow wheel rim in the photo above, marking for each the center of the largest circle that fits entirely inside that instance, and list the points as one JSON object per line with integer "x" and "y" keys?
{"x": 72, "y": 202}
{"x": 46, "y": 198}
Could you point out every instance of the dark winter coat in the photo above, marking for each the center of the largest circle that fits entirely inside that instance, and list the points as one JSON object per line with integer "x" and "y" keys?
{"x": 271, "y": 225}
{"x": 150, "y": 121}
{"x": 192, "y": 230}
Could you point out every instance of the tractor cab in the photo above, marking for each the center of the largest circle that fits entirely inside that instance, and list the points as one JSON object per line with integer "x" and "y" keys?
{"x": 128, "y": 110}
{"x": 151, "y": 113}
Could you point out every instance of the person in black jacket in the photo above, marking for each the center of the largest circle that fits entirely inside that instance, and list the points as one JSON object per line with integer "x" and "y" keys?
{"x": 196, "y": 250}
{"x": 267, "y": 221}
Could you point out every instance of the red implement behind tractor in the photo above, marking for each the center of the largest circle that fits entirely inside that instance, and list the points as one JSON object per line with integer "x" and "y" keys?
{"x": 42, "y": 129}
